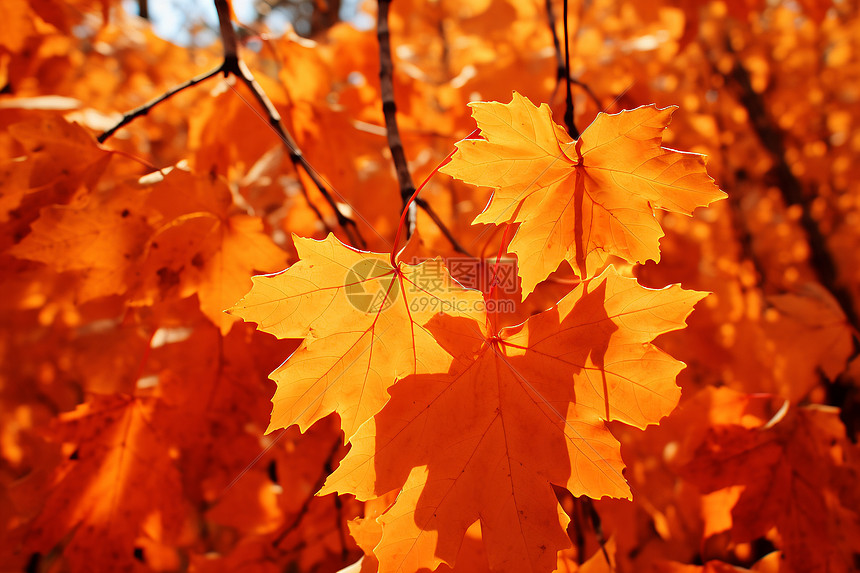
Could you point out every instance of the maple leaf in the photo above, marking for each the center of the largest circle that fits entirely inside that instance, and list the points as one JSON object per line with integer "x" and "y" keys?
{"x": 16, "y": 25}
{"x": 516, "y": 412}
{"x": 100, "y": 239}
{"x": 583, "y": 200}
{"x": 97, "y": 302}
{"x": 200, "y": 246}
{"x": 807, "y": 336}
{"x": 216, "y": 420}
{"x": 793, "y": 469}
{"x": 60, "y": 149}
{"x": 362, "y": 324}
{"x": 62, "y": 161}
{"x": 119, "y": 477}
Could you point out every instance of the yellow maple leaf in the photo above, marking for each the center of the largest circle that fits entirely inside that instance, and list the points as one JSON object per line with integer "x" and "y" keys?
{"x": 362, "y": 323}
{"x": 582, "y": 200}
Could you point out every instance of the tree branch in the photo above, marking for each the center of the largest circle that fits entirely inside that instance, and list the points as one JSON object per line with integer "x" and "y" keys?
{"x": 228, "y": 34}
{"x": 303, "y": 510}
{"x": 395, "y": 143}
{"x": 741, "y": 229}
{"x": 295, "y": 153}
{"x": 234, "y": 65}
{"x": 561, "y": 71}
{"x": 389, "y": 110}
{"x": 559, "y": 59}
{"x": 568, "y": 109}
{"x": 445, "y": 231}
{"x": 587, "y": 89}
{"x": 145, "y": 108}
{"x": 842, "y": 391}
{"x": 821, "y": 259}
{"x": 596, "y": 526}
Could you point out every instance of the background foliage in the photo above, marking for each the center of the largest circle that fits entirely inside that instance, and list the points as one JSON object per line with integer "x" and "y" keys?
{"x": 133, "y": 408}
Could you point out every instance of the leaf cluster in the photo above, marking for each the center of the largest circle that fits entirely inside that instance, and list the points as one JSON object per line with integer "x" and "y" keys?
{"x": 513, "y": 387}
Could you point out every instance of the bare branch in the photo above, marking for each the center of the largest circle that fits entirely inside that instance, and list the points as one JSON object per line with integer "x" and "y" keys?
{"x": 228, "y": 34}
{"x": 234, "y": 65}
{"x": 389, "y": 110}
{"x": 295, "y": 153}
{"x": 559, "y": 59}
{"x": 145, "y": 108}
{"x": 587, "y": 89}
{"x": 561, "y": 71}
{"x": 770, "y": 136}
{"x": 303, "y": 510}
{"x": 568, "y": 109}
{"x": 445, "y": 231}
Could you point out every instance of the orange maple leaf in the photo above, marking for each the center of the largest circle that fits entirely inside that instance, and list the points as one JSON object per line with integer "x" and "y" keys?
{"x": 515, "y": 413}
{"x": 176, "y": 239}
{"x": 582, "y": 200}
{"x": 118, "y": 482}
{"x": 100, "y": 239}
{"x": 62, "y": 161}
{"x": 362, "y": 324}
{"x": 796, "y": 474}
{"x": 202, "y": 246}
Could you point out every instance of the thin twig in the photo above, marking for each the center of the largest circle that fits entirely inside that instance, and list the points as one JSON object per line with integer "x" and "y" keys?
{"x": 389, "y": 110}
{"x": 589, "y": 91}
{"x": 740, "y": 227}
{"x": 842, "y": 391}
{"x": 568, "y": 109}
{"x": 338, "y": 509}
{"x": 736, "y": 179}
{"x": 294, "y": 152}
{"x": 234, "y": 65}
{"x": 445, "y": 231}
{"x": 395, "y": 143}
{"x": 303, "y": 510}
{"x": 228, "y": 34}
{"x": 559, "y": 59}
{"x": 561, "y": 69}
{"x": 578, "y": 530}
{"x": 341, "y": 534}
{"x": 145, "y": 108}
{"x": 302, "y": 187}
{"x": 394, "y": 250}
